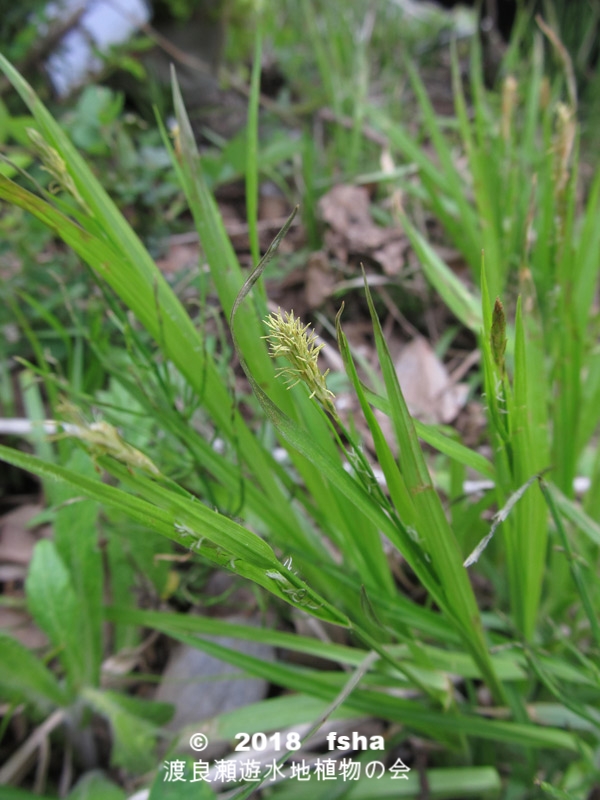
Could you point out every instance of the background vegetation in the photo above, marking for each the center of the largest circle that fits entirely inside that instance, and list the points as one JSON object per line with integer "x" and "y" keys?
{"x": 192, "y": 432}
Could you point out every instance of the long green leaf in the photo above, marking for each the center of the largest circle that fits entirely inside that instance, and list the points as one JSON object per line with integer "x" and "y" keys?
{"x": 367, "y": 549}
{"x": 227, "y": 543}
{"x": 437, "y": 439}
{"x": 433, "y": 531}
{"x": 109, "y": 245}
{"x": 453, "y": 292}
{"x": 409, "y": 713}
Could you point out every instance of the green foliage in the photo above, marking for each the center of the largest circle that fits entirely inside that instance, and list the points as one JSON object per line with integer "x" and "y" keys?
{"x": 311, "y": 532}
{"x": 22, "y": 676}
{"x": 518, "y": 203}
{"x": 20, "y": 29}
{"x": 135, "y": 724}
{"x": 64, "y": 591}
{"x": 94, "y": 786}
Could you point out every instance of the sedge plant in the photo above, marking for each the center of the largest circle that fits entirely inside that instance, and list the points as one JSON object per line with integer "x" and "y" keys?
{"x": 517, "y": 217}
{"x": 316, "y": 533}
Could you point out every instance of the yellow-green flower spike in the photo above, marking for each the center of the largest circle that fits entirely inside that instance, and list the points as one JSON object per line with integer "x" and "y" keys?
{"x": 289, "y": 338}
{"x": 54, "y": 165}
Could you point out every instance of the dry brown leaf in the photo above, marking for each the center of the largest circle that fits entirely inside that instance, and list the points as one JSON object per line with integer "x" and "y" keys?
{"x": 320, "y": 280}
{"x": 16, "y": 548}
{"x": 427, "y": 388}
{"x": 391, "y": 256}
{"x": 16, "y": 540}
{"x": 272, "y": 203}
{"x": 19, "y": 625}
{"x": 346, "y": 209}
{"x": 178, "y": 258}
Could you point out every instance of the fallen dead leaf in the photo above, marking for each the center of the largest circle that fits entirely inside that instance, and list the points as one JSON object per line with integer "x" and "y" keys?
{"x": 272, "y": 203}
{"x": 429, "y": 393}
{"x": 391, "y": 256}
{"x": 16, "y": 540}
{"x": 320, "y": 280}
{"x": 16, "y": 548}
{"x": 178, "y": 258}
{"x": 346, "y": 209}
{"x": 18, "y": 624}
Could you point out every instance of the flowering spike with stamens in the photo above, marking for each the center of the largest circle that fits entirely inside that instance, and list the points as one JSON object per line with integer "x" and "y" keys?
{"x": 55, "y": 166}
{"x": 290, "y": 339}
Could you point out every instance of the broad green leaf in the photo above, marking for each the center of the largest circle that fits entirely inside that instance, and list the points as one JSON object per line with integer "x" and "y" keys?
{"x": 509, "y": 665}
{"x": 95, "y": 786}
{"x": 241, "y": 542}
{"x": 134, "y": 738}
{"x": 115, "y": 227}
{"x": 225, "y": 269}
{"x": 151, "y": 711}
{"x": 228, "y": 279}
{"x": 76, "y": 537}
{"x": 122, "y": 578}
{"x": 397, "y": 488}
{"x": 23, "y": 677}
{"x": 55, "y": 607}
{"x": 485, "y": 236}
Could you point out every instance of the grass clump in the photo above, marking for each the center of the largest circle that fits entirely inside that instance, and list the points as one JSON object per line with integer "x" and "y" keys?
{"x": 515, "y": 684}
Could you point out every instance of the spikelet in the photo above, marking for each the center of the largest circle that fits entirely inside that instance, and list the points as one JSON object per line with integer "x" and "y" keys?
{"x": 290, "y": 339}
